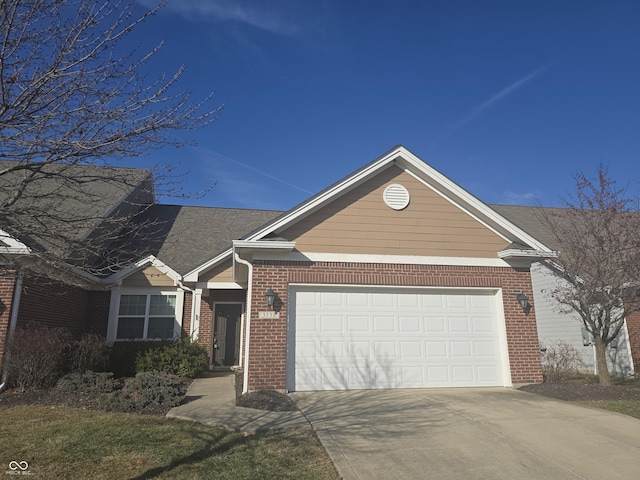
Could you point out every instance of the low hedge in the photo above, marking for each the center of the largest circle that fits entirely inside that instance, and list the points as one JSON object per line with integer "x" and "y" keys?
{"x": 184, "y": 358}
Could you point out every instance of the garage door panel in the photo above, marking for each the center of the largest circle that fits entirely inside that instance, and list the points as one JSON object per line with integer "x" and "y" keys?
{"x": 485, "y": 349}
{"x": 460, "y": 349}
{"x": 380, "y": 300}
{"x": 456, "y": 302}
{"x": 358, "y": 323}
{"x": 463, "y": 374}
{"x": 331, "y": 323}
{"x": 333, "y": 350}
{"x": 411, "y": 349}
{"x": 458, "y": 324}
{"x": 434, "y": 324}
{"x": 409, "y": 324}
{"x": 331, "y": 299}
{"x": 438, "y": 376}
{"x": 483, "y": 325}
{"x": 487, "y": 373}
{"x": 384, "y": 324}
{"x": 436, "y": 349}
{"x": 384, "y": 338}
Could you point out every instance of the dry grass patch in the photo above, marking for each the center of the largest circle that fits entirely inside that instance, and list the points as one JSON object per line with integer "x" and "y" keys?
{"x": 626, "y": 407}
{"x": 60, "y": 442}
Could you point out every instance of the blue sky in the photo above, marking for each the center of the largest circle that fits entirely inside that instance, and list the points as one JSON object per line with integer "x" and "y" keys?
{"x": 509, "y": 99}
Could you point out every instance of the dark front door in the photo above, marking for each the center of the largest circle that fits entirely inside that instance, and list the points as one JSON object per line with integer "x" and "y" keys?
{"x": 226, "y": 329}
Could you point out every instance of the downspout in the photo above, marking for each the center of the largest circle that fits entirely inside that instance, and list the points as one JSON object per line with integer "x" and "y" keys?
{"x": 245, "y": 380}
{"x": 193, "y": 306}
{"x": 13, "y": 320}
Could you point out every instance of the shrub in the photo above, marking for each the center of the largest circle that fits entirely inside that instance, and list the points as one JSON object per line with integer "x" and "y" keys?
{"x": 36, "y": 356}
{"x": 123, "y": 356}
{"x": 147, "y": 391}
{"x": 88, "y": 382}
{"x": 184, "y": 358}
{"x": 559, "y": 362}
{"x": 89, "y": 353}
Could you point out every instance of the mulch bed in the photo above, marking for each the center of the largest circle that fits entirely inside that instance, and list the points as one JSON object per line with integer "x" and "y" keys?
{"x": 267, "y": 400}
{"x": 57, "y": 398}
{"x": 583, "y": 392}
{"x": 278, "y": 402}
{"x": 53, "y": 397}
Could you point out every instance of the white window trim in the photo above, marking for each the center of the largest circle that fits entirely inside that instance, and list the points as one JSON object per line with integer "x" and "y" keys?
{"x": 114, "y": 307}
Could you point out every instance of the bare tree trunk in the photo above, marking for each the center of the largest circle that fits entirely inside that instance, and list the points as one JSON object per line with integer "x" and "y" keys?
{"x": 601, "y": 361}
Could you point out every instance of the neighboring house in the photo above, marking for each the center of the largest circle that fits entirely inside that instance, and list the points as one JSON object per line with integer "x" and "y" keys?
{"x": 556, "y": 328}
{"x": 394, "y": 277}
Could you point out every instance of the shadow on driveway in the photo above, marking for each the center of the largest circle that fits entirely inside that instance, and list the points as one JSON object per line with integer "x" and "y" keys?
{"x": 485, "y": 433}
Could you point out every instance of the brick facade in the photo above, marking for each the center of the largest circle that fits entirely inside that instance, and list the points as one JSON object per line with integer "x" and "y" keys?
{"x": 7, "y": 285}
{"x": 633, "y": 327}
{"x": 53, "y": 304}
{"x": 98, "y": 312}
{"x": 268, "y": 352}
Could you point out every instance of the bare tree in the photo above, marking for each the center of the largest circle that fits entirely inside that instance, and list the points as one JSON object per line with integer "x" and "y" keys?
{"x": 74, "y": 100}
{"x": 599, "y": 237}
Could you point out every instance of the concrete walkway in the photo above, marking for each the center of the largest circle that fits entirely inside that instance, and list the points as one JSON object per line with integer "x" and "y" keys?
{"x": 468, "y": 434}
{"x": 211, "y": 400}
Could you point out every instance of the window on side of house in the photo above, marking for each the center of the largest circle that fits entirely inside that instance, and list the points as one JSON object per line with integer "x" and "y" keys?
{"x": 147, "y": 317}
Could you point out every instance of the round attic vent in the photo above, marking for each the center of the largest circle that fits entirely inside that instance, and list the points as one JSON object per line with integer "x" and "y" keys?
{"x": 396, "y": 196}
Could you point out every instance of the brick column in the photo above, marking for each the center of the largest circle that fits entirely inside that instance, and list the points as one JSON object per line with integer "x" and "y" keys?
{"x": 7, "y": 287}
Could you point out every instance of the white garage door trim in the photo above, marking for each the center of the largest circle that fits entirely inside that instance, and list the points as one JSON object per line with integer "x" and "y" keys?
{"x": 361, "y": 337}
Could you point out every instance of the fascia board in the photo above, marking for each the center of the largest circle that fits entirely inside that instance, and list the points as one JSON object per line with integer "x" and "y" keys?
{"x": 15, "y": 250}
{"x": 151, "y": 260}
{"x": 466, "y": 198}
{"x": 270, "y": 245}
{"x": 517, "y": 253}
{"x": 13, "y": 244}
{"x": 248, "y": 247}
{"x": 324, "y": 197}
{"x": 193, "y": 275}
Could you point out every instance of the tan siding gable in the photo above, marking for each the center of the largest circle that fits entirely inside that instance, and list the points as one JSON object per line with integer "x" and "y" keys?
{"x": 148, "y": 277}
{"x": 360, "y": 222}
{"x": 220, "y": 273}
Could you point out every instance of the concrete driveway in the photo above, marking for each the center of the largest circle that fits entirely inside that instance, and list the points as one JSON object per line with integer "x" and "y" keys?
{"x": 470, "y": 434}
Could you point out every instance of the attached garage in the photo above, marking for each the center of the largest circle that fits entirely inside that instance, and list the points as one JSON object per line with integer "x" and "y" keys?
{"x": 342, "y": 337}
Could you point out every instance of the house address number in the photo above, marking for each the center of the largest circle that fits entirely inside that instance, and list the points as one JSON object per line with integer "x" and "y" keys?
{"x": 268, "y": 314}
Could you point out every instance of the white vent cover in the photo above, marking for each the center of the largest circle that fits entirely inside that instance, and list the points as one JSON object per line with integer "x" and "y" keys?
{"x": 396, "y": 196}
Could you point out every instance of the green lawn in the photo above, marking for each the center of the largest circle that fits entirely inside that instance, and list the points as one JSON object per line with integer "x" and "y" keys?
{"x": 74, "y": 443}
{"x": 627, "y": 407}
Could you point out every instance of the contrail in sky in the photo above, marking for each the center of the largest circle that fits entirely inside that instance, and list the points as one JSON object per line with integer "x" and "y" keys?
{"x": 279, "y": 180}
{"x": 483, "y": 107}
{"x": 476, "y": 112}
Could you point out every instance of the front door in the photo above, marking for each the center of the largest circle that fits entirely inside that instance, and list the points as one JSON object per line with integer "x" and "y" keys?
{"x": 226, "y": 334}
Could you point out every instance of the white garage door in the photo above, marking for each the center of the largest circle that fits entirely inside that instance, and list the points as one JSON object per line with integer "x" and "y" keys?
{"x": 357, "y": 338}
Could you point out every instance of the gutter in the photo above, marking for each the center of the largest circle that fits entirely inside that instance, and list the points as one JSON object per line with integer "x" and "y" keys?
{"x": 245, "y": 380}
{"x": 13, "y": 320}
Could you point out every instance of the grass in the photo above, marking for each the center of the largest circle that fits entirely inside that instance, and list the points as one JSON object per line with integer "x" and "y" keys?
{"x": 627, "y": 407}
{"x": 75, "y": 443}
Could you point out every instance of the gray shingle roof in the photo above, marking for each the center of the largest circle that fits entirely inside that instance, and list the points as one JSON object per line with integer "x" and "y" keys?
{"x": 530, "y": 219}
{"x": 63, "y": 201}
{"x": 190, "y": 236}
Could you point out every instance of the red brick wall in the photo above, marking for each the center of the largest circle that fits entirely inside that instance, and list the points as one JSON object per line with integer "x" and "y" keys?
{"x": 7, "y": 284}
{"x": 56, "y": 305}
{"x": 97, "y": 317}
{"x": 186, "y": 315}
{"x": 633, "y": 327}
{"x": 267, "y": 360}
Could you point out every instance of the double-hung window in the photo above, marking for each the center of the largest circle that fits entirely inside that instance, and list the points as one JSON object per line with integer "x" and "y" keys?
{"x": 147, "y": 317}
